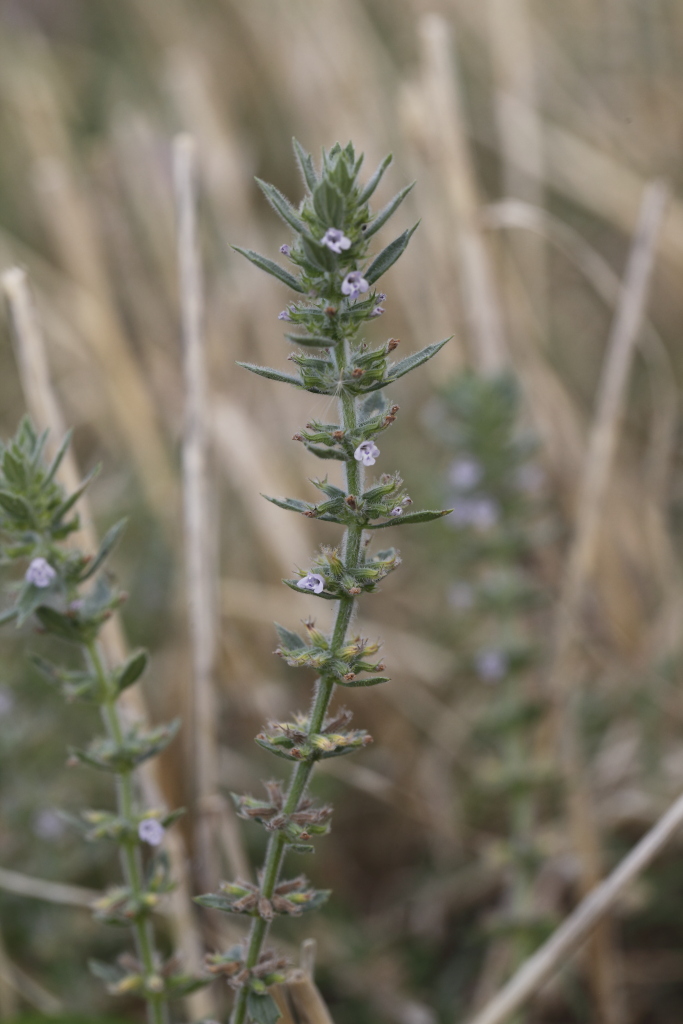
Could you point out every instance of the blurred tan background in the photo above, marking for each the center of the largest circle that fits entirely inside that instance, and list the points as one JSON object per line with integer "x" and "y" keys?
{"x": 532, "y": 130}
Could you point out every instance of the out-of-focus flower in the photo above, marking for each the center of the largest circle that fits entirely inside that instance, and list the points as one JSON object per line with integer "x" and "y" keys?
{"x": 480, "y": 513}
{"x": 491, "y": 665}
{"x": 464, "y": 474}
{"x": 47, "y": 824}
{"x": 40, "y": 573}
{"x": 151, "y": 831}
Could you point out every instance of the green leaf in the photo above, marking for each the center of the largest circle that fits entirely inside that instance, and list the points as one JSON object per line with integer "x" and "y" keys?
{"x": 384, "y": 214}
{"x": 311, "y": 340}
{"x": 416, "y": 359}
{"x": 57, "y": 461}
{"x": 214, "y": 901}
{"x": 325, "y": 453}
{"x": 369, "y": 681}
{"x": 14, "y": 469}
{"x": 59, "y": 625}
{"x": 319, "y": 256}
{"x": 305, "y": 162}
{"x": 109, "y": 542}
{"x": 282, "y": 206}
{"x": 412, "y": 517}
{"x": 388, "y": 256}
{"x": 8, "y": 615}
{"x": 262, "y": 1008}
{"x": 29, "y": 599}
{"x": 263, "y": 263}
{"x": 267, "y": 371}
{"x": 131, "y": 671}
{"x": 67, "y": 505}
{"x": 328, "y": 204}
{"x": 15, "y": 506}
{"x": 374, "y": 180}
{"x": 290, "y": 504}
{"x": 290, "y": 640}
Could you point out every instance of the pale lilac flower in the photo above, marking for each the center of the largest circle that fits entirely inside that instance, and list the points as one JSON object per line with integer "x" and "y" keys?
{"x": 491, "y": 665}
{"x": 285, "y": 250}
{"x": 465, "y": 473}
{"x": 354, "y": 283}
{"x": 76, "y": 606}
{"x": 284, "y": 315}
{"x": 377, "y": 311}
{"x": 6, "y": 701}
{"x": 481, "y": 513}
{"x": 367, "y": 452}
{"x": 151, "y": 831}
{"x": 336, "y": 240}
{"x": 398, "y": 511}
{"x": 47, "y": 824}
{"x": 312, "y": 581}
{"x": 461, "y": 597}
{"x": 40, "y": 573}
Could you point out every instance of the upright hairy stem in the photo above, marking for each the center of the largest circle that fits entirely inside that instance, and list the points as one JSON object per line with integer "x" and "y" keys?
{"x": 323, "y": 694}
{"x": 157, "y": 1009}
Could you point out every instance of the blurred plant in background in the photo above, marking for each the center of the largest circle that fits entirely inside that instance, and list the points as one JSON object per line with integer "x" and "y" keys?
{"x": 36, "y": 520}
{"x": 531, "y": 129}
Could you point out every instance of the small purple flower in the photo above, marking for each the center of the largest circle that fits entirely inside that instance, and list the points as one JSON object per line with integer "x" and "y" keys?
{"x": 398, "y": 511}
{"x": 367, "y": 452}
{"x": 380, "y": 296}
{"x": 491, "y": 665}
{"x": 151, "y": 831}
{"x": 284, "y": 315}
{"x": 353, "y": 284}
{"x": 461, "y": 597}
{"x": 40, "y": 573}
{"x": 377, "y": 311}
{"x": 481, "y": 513}
{"x": 312, "y": 581}
{"x": 464, "y": 474}
{"x": 336, "y": 240}
{"x": 285, "y": 250}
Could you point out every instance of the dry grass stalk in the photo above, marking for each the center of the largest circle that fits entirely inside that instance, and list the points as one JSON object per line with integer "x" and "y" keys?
{"x": 450, "y": 151}
{"x": 520, "y": 131}
{"x": 46, "y": 413}
{"x": 214, "y": 819}
{"x": 299, "y": 1000}
{"x": 564, "y": 670}
{"x": 16, "y": 985}
{"x": 9, "y": 999}
{"x": 41, "y": 889}
{"x": 552, "y": 955}
{"x": 70, "y": 223}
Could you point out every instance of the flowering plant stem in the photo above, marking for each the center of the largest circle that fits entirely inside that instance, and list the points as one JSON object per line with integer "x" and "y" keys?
{"x": 131, "y": 862}
{"x": 300, "y": 776}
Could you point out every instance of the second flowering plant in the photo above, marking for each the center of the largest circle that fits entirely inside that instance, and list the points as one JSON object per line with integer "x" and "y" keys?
{"x": 335, "y": 283}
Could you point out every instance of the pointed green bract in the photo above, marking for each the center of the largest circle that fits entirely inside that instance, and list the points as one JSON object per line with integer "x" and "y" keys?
{"x": 270, "y": 267}
{"x": 388, "y": 256}
{"x": 281, "y": 205}
{"x": 388, "y": 211}
{"x": 305, "y": 162}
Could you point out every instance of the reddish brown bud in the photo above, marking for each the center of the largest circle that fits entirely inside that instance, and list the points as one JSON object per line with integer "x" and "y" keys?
{"x": 358, "y": 372}
{"x": 330, "y": 310}
{"x": 355, "y": 590}
{"x": 392, "y": 344}
{"x": 297, "y": 437}
{"x": 349, "y": 676}
{"x": 338, "y": 435}
{"x": 351, "y": 501}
